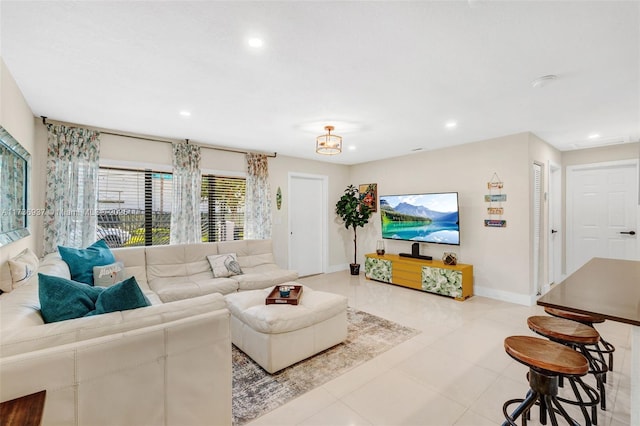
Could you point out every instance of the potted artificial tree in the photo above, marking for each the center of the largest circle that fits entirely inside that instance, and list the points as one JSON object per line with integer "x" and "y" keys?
{"x": 354, "y": 213}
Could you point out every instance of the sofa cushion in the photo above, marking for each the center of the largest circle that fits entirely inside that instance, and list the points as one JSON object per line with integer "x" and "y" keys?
{"x": 108, "y": 275}
{"x": 224, "y": 265}
{"x": 22, "y": 267}
{"x": 82, "y": 261}
{"x": 183, "y": 260}
{"x": 250, "y": 253}
{"x": 178, "y": 288}
{"x": 135, "y": 264}
{"x": 263, "y": 276}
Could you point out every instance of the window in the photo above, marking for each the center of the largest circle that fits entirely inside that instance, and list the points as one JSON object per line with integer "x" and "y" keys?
{"x": 134, "y": 207}
{"x": 222, "y": 208}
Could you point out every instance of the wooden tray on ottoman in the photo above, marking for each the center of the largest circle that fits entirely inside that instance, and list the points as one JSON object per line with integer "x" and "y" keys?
{"x": 293, "y": 299}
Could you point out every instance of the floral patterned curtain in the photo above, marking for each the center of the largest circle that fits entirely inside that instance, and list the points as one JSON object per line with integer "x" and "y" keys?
{"x": 185, "y": 209}
{"x": 257, "y": 219}
{"x": 72, "y": 182}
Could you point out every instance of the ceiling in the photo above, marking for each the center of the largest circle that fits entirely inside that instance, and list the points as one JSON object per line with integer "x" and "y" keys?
{"x": 388, "y": 75}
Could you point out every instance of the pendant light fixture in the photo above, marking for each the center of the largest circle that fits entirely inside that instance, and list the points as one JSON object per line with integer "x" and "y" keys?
{"x": 329, "y": 144}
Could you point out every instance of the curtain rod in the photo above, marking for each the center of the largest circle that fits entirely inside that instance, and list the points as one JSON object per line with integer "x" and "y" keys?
{"x": 237, "y": 151}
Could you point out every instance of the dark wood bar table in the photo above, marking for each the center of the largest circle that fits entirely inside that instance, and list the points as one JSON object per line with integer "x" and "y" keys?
{"x": 609, "y": 288}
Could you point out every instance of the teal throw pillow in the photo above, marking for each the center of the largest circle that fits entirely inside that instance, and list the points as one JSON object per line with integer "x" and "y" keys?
{"x": 62, "y": 299}
{"x": 121, "y": 297}
{"x": 82, "y": 261}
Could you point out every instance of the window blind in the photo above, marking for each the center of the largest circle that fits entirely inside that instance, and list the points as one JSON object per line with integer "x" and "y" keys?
{"x": 134, "y": 207}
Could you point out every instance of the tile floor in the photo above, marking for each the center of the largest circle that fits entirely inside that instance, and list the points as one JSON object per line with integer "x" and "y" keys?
{"x": 454, "y": 373}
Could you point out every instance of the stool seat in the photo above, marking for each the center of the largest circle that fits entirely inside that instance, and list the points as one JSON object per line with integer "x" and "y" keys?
{"x": 564, "y": 329}
{"x": 548, "y": 362}
{"x": 583, "y": 318}
{"x": 546, "y": 355}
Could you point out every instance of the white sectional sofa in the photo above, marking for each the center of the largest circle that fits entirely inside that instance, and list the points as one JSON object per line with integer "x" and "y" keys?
{"x": 166, "y": 364}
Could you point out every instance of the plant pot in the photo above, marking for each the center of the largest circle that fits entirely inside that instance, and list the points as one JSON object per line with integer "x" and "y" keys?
{"x": 355, "y": 268}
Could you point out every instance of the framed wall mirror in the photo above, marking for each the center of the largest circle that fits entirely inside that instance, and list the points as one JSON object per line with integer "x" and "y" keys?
{"x": 15, "y": 162}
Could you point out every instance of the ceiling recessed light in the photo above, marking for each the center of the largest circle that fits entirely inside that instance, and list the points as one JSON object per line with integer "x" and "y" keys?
{"x": 185, "y": 113}
{"x": 543, "y": 81}
{"x": 450, "y": 124}
{"x": 352, "y": 148}
{"x": 255, "y": 42}
{"x": 594, "y": 136}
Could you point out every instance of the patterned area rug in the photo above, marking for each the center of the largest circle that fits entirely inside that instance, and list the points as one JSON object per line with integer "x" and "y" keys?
{"x": 256, "y": 392}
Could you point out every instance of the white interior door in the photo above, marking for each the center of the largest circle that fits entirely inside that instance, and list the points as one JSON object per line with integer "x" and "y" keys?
{"x": 555, "y": 224}
{"x": 307, "y": 223}
{"x": 602, "y": 212}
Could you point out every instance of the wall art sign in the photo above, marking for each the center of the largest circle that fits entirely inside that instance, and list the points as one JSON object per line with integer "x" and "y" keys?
{"x": 495, "y": 198}
{"x": 495, "y": 223}
{"x": 495, "y": 195}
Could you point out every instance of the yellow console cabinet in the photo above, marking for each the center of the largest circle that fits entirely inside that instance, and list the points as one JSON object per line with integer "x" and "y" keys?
{"x": 432, "y": 276}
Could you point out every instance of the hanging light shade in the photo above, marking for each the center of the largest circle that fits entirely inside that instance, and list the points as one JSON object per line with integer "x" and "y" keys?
{"x": 329, "y": 144}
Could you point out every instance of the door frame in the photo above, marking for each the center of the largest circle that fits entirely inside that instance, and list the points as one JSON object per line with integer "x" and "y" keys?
{"x": 569, "y": 206}
{"x": 324, "y": 180}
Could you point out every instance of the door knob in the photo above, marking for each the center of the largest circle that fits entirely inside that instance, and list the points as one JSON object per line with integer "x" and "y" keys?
{"x": 629, "y": 232}
{"x": 553, "y": 231}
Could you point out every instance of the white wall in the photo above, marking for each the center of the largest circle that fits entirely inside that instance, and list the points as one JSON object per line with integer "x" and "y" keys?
{"x": 17, "y": 119}
{"x": 500, "y": 256}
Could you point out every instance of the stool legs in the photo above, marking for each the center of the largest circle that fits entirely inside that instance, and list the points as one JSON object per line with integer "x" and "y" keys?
{"x": 544, "y": 391}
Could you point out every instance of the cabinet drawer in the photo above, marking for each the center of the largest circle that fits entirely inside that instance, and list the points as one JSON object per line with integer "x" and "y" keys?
{"x": 408, "y": 281}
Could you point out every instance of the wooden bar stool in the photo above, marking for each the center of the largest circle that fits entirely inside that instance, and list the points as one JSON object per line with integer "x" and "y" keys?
{"x": 577, "y": 336}
{"x": 547, "y": 361}
{"x": 603, "y": 346}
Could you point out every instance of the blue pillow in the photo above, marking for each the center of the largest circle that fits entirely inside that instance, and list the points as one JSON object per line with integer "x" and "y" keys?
{"x": 82, "y": 261}
{"x": 62, "y": 299}
{"x": 120, "y": 297}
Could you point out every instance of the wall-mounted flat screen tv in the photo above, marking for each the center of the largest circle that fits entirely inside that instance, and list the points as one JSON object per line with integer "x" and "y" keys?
{"x": 429, "y": 218}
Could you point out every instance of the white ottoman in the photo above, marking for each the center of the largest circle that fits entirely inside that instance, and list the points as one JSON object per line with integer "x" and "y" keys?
{"x": 276, "y": 336}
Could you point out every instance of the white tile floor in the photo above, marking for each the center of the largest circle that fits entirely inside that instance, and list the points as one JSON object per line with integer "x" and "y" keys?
{"x": 454, "y": 373}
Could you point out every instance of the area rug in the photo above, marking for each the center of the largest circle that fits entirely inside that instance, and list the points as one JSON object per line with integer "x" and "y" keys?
{"x": 256, "y": 392}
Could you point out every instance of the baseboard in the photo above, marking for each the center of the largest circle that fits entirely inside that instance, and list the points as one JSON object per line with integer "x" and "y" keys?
{"x": 505, "y": 296}
{"x": 342, "y": 267}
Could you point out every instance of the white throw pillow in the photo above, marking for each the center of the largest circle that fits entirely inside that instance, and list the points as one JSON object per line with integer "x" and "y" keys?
{"x": 22, "y": 267}
{"x": 108, "y": 275}
{"x": 224, "y": 265}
